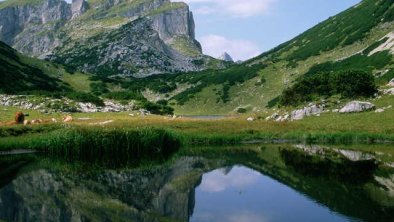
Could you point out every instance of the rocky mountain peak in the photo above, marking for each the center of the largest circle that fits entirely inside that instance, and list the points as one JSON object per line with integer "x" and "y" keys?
{"x": 226, "y": 57}
{"x": 54, "y": 29}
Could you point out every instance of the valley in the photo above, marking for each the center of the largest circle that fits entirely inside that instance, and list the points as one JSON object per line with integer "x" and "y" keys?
{"x": 110, "y": 111}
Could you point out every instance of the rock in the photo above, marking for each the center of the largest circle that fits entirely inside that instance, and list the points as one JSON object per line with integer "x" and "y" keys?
{"x": 144, "y": 38}
{"x": 272, "y": 117}
{"x": 379, "y": 111}
{"x": 36, "y": 121}
{"x": 312, "y": 109}
{"x": 357, "y": 106}
{"x": 335, "y": 110}
{"x": 391, "y": 83}
{"x": 388, "y": 91}
{"x": 78, "y": 7}
{"x": 226, "y": 57}
{"x": 67, "y": 119}
{"x": 250, "y": 119}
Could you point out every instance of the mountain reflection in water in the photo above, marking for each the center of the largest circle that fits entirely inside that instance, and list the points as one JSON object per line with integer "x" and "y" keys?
{"x": 264, "y": 184}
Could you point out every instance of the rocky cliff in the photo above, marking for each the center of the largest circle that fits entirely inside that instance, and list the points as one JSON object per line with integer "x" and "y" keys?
{"x": 113, "y": 37}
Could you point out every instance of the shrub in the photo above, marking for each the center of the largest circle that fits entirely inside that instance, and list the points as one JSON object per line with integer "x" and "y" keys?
{"x": 125, "y": 96}
{"x": 349, "y": 84}
{"x": 85, "y": 98}
{"x": 241, "y": 110}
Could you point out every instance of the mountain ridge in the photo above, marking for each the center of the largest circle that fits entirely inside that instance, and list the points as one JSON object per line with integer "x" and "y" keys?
{"x": 49, "y": 28}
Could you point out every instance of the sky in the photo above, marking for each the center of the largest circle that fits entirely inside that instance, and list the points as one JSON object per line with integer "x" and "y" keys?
{"x": 246, "y": 28}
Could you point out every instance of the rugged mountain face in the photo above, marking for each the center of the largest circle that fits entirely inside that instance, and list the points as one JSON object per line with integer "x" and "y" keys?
{"x": 131, "y": 37}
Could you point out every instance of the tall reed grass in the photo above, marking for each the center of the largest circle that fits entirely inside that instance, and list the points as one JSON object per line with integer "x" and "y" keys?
{"x": 100, "y": 144}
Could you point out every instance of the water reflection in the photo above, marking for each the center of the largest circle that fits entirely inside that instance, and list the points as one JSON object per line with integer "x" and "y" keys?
{"x": 269, "y": 183}
{"x": 246, "y": 195}
{"x": 224, "y": 179}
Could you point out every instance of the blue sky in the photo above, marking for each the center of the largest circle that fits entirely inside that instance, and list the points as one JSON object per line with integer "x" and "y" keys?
{"x": 246, "y": 28}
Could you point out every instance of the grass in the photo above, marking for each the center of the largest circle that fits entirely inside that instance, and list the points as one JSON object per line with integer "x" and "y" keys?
{"x": 368, "y": 127}
{"x": 110, "y": 146}
{"x": 11, "y": 3}
{"x": 77, "y": 81}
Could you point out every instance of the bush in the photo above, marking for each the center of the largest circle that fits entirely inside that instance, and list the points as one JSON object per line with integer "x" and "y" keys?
{"x": 85, "y": 98}
{"x": 157, "y": 109}
{"x": 125, "y": 96}
{"x": 241, "y": 110}
{"x": 349, "y": 84}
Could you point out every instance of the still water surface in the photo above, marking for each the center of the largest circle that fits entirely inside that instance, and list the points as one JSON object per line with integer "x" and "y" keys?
{"x": 239, "y": 194}
{"x": 258, "y": 183}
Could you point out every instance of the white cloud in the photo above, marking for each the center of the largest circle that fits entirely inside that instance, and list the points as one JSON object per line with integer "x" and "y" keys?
{"x": 238, "y": 178}
{"x": 235, "y": 8}
{"x": 216, "y": 45}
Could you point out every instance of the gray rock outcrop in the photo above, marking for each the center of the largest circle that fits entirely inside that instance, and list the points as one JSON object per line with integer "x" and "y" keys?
{"x": 310, "y": 110}
{"x": 78, "y": 7}
{"x": 356, "y": 107}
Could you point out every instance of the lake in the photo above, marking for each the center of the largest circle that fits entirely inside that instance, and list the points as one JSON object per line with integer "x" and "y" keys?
{"x": 244, "y": 183}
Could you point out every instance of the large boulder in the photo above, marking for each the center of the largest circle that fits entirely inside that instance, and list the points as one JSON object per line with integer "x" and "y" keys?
{"x": 356, "y": 107}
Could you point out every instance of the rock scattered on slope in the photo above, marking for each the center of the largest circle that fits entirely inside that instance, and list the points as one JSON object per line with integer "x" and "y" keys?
{"x": 388, "y": 91}
{"x": 46, "y": 105}
{"x": 391, "y": 83}
{"x": 311, "y": 110}
{"x": 356, "y": 107}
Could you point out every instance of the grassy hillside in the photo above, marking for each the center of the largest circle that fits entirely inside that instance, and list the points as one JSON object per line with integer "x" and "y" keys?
{"x": 20, "y": 74}
{"x": 342, "y": 43}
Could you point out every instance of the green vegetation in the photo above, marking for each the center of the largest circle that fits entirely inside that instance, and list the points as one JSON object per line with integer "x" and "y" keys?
{"x": 168, "y": 7}
{"x": 11, "y": 3}
{"x": 335, "y": 168}
{"x": 344, "y": 29}
{"x": 227, "y": 77}
{"x": 110, "y": 146}
{"x": 20, "y": 77}
{"x": 348, "y": 84}
{"x": 85, "y": 97}
{"x": 359, "y": 61}
{"x": 330, "y": 128}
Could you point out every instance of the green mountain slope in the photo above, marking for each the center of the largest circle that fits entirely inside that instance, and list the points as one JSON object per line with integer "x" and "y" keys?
{"x": 20, "y": 74}
{"x": 358, "y": 38}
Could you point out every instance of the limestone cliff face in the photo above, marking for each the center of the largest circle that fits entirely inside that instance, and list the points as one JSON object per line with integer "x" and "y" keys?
{"x": 55, "y": 29}
{"x": 29, "y": 28}
{"x": 78, "y": 7}
{"x": 175, "y": 23}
